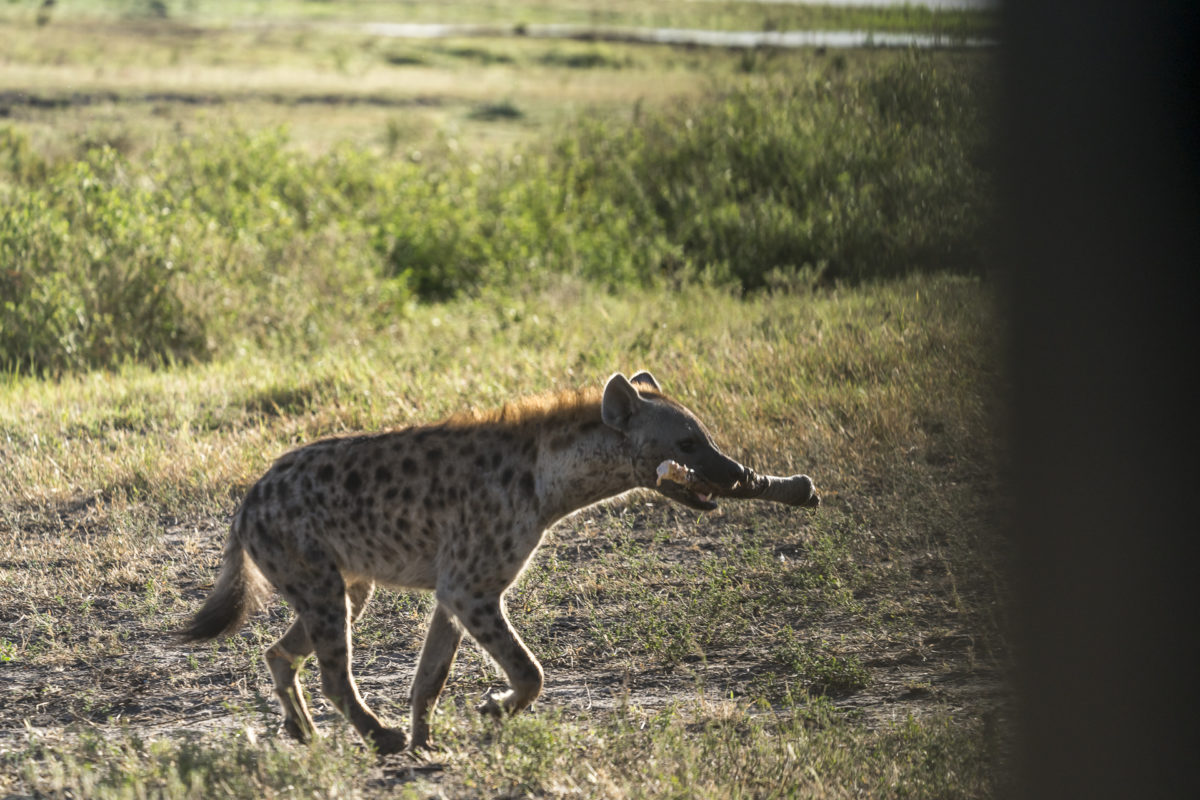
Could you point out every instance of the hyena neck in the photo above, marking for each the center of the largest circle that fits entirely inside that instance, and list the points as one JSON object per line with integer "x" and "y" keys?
{"x": 580, "y": 463}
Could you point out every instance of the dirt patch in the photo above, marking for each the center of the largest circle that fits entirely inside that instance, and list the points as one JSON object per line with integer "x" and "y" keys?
{"x": 88, "y": 644}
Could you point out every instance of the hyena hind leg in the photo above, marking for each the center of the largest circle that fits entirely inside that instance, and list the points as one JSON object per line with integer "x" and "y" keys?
{"x": 437, "y": 656}
{"x": 284, "y": 660}
{"x": 286, "y": 657}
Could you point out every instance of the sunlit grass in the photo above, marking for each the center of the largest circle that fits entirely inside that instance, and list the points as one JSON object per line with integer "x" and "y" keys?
{"x": 781, "y": 375}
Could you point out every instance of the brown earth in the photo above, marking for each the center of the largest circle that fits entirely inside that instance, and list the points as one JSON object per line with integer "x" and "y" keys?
{"x": 108, "y": 659}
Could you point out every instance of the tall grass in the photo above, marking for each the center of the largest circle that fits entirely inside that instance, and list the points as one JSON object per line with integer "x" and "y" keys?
{"x": 205, "y": 245}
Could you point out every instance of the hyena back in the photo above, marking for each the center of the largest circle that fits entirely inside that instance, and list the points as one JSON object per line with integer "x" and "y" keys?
{"x": 456, "y": 509}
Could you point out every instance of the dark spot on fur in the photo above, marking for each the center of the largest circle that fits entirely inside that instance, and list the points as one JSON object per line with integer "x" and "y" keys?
{"x": 434, "y": 454}
{"x": 383, "y": 474}
{"x": 506, "y": 476}
{"x": 391, "y": 493}
{"x": 353, "y": 481}
{"x": 325, "y": 473}
{"x": 527, "y": 485}
{"x": 496, "y": 458}
{"x": 407, "y": 495}
{"x": 409, "y": 466}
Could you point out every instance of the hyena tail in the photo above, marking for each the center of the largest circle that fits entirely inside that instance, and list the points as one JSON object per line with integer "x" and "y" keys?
{"x": 238, "y": 593}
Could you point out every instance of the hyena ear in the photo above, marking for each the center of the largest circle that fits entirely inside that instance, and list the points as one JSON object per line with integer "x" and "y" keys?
{"x": 620, "y": 403}
{"x": 646, "y": 379}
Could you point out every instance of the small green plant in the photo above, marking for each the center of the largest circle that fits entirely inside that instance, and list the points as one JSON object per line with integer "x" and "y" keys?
{"x": 816, "y": 666}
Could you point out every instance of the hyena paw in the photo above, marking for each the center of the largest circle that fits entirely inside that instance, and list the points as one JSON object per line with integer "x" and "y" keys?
{"x": 493, "y": 705}
{"x": 388, "y": 741}
{"x": 301, "y": 732}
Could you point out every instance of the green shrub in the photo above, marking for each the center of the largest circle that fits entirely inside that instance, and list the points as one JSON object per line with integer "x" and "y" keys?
{"x": 89, "y": 276}
{"x": 859, "y": 178}
{"x": 203, "y": 244}
{"x": 197, "y": 248}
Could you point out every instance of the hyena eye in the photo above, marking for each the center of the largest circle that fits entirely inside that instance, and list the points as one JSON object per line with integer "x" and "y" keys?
{"x": 686, "y": 445}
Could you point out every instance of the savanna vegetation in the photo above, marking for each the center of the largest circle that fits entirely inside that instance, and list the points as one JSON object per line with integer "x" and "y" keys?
{"x": 219, "y": 241}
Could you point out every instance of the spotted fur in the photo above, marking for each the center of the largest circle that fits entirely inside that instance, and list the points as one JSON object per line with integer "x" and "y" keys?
{"x": 457, "y": 509}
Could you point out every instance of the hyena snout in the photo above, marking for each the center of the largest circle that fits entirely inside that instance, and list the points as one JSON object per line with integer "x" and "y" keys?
{"x": 720, "y": 470}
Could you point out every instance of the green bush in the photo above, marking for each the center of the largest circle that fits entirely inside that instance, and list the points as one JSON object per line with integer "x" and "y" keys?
{"x": 858, "y": 178}
{"x": 203, "y": 244}
{"x": 195, "y": 249}
{"x": 89, "y": 276}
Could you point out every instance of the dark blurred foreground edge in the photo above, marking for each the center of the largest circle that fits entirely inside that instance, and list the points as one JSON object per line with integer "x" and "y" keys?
{"x": 1099, "y": 147}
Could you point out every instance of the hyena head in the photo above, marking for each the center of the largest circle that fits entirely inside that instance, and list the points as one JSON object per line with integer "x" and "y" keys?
{"x": 660, "y": 429}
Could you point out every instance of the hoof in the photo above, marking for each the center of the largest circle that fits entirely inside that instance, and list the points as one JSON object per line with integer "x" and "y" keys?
{"x": 387, "y": 741}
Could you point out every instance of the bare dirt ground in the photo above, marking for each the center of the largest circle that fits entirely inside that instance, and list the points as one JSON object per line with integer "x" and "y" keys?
{"x": 105, "y": 658}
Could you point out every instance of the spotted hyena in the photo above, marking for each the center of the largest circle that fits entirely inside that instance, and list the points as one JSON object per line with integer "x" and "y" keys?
{"x": 457, "y": 509}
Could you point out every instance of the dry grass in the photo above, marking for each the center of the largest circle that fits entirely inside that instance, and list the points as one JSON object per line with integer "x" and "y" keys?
{"x": 755, "y": 652}
{"x": 680, "y": 651}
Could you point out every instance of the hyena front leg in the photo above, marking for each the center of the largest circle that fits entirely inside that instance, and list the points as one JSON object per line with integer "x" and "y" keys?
{"x": 486, "y": 621}
{"x": 437, "y": 656}
{"x": 286, "y": 657}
